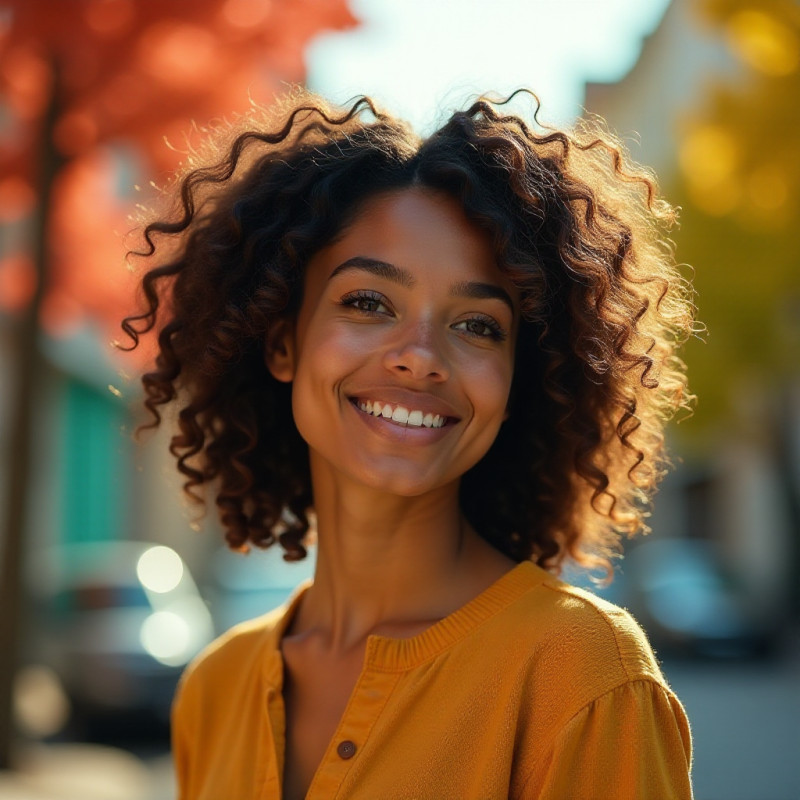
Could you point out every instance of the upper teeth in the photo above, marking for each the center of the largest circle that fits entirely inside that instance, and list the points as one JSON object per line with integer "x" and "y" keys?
{"x": 401, "y": 414}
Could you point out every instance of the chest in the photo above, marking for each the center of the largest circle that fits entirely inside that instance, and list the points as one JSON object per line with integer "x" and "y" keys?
{"x": 444, "y": 728}
{"x": 316, "y": 691}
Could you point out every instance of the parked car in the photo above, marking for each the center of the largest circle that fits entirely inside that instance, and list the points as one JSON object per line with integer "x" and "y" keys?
{"x": 118, "y": 622}
{"x": 689, "y": 603}
{"x": 246, "y": 585}
{"x": 684, "y": 598}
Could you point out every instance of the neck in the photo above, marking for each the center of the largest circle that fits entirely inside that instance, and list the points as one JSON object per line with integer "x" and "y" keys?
{"x": 390, "y": 565}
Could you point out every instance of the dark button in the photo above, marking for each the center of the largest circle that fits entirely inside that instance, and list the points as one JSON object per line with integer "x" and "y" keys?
{"x": 346, "y": 749}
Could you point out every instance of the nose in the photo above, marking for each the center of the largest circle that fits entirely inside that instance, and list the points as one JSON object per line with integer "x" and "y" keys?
{"x": 416, "y": 353}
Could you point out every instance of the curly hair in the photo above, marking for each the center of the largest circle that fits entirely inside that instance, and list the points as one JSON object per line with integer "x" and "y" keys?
{"x": 573, "y": 224}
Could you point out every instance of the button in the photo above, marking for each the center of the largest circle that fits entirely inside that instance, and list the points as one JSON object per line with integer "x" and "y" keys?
{"x": 346, "y": 749}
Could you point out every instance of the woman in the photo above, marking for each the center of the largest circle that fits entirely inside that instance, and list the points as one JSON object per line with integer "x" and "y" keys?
{"x": 458, "y": 352}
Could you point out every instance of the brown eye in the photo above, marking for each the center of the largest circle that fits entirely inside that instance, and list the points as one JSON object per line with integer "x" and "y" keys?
{"x": 478, "y": 328}
{"x": 481, "y": 328}
{"x": 367, "y": 301}
{"x": 366, "y": 304}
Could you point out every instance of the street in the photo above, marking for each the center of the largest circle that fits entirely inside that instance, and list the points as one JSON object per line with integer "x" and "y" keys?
{"x": 745, "y": 719}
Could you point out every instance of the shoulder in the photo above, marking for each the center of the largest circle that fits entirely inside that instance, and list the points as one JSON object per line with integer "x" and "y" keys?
{"x": 572, "y": 646}
{"x": 247, "y": 648}
{"x": 221, "y": 698}
{"x": 572, "y": 651}
{"x": 582, "y": 625}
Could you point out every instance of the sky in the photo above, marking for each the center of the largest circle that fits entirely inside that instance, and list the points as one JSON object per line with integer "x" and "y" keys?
{"x": 424, "y": 58}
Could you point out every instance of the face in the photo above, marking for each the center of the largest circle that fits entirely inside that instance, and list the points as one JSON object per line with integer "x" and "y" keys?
{"x": 402, "y": 354}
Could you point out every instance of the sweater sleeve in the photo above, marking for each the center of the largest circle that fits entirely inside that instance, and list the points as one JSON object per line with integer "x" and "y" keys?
{"x": 181, "y": 740}
{"x": 632, "y": 743}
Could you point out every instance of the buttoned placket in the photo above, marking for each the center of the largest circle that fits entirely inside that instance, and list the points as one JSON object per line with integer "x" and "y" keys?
{"x": 350, "y": 741}
{"x": 370, "y": 694}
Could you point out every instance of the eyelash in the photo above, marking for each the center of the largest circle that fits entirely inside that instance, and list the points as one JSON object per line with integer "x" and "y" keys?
{"x": 364, "y": 295}
{"x": 352, "y": 300}
{"x": 496, "y": 333}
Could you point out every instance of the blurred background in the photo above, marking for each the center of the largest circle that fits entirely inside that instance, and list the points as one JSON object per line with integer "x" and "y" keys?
{"x": 109, "y": 584}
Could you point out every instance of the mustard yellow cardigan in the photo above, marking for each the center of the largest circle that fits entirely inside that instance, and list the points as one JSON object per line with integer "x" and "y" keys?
{"x": 534, "y": 689}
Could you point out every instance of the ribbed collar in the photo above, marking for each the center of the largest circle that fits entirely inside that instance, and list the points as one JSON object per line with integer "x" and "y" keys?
{"x": 395, "y": 655}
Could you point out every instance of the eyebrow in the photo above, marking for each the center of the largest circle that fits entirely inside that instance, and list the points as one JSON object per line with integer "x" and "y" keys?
{"x": 477, "y": 290}
{"x": 482, "y": 291}
{"x": 383, "y": 269}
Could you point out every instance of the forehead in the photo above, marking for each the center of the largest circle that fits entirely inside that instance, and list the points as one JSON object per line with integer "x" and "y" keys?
{"x": 422, "y": 231}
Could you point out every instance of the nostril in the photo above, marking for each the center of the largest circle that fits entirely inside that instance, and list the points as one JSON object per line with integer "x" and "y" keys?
{"x": 412, "y": 360}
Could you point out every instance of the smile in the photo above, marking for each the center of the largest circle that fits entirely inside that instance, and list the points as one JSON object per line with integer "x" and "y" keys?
{"x": 413, "y": 418}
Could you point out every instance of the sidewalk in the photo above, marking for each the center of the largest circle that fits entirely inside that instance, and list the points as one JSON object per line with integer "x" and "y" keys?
{"x": 86, "y": 772}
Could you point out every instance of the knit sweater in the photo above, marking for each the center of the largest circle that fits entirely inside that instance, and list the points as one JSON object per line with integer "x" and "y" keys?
{"x": 534, "y": 689}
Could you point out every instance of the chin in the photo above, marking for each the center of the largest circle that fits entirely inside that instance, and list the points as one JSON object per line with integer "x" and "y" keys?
{"x": 399, "y": 485}
{"x": 405, "y": 480}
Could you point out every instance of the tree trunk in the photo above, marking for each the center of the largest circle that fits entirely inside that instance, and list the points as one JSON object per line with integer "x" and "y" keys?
{"x": 26, "y": 371}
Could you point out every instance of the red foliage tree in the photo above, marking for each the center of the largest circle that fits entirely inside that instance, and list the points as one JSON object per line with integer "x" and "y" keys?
{"x": 76, "y": 77}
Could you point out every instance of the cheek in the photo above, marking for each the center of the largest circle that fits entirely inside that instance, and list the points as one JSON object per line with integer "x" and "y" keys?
{"x": 491, "y": 382}
{"x": 329, "y": 342}
{"x": 500, "y": 392}
{"x": 325, "y": 358}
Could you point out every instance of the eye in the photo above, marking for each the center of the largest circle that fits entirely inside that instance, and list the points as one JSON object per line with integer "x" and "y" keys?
{"x": 482, "y": 328}
{"x": 367, "y": 301}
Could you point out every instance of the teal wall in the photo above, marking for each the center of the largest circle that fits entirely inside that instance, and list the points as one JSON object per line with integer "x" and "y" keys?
{"x": 96, "y": 464}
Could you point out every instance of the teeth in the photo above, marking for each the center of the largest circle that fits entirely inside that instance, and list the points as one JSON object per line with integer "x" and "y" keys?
{"x": 402, "y": 415}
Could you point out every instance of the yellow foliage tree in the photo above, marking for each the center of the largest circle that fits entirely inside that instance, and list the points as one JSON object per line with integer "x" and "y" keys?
{"x": 739, "y": 188}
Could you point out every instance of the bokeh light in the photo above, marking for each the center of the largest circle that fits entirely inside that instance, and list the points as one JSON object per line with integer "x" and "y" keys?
{"x": 160, "y": 569}
{"x": 764, "y": 42}
{"x": 165, "y": 635}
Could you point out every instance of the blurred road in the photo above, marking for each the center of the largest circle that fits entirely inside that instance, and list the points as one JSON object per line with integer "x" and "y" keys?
{"x": 745, "y": 721}
{"x": 87, "y": 772}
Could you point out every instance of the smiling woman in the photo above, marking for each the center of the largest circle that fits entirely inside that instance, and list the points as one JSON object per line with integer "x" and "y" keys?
{"x": 459, "y": 352}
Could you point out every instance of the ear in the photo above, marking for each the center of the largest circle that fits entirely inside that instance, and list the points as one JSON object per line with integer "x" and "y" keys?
{"x": 279, "y": 349}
